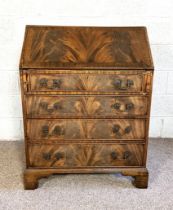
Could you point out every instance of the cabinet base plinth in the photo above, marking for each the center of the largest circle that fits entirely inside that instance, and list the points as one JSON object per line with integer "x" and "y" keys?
{"x": 32, "y": 176}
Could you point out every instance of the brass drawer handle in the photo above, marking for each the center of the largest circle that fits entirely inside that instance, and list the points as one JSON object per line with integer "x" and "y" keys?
{"x": 130, "y": 83}
{"x": 56, "y": 106}
{"x": 45, "y": 130}
{"x": 115, "y": 128}
{"x": 119, "y": 84}
{"x": 128, "y": 129}
{"x": 116, "y": 106}
{"x": 58, "y": 131}
{"x": 129, "y": 106}
{"x": 114, "y": 155}
{"x": 58, "y": 155}
{"x": 44, "y": 105}
{"x": 43, "y": 82}
{"x": 56, "y": 83}
{"x": 126, "y": 155}
{"x": 46, "y": 156}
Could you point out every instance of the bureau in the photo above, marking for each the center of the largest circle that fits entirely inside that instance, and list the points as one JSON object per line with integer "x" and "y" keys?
{"x": 86, "y": 95}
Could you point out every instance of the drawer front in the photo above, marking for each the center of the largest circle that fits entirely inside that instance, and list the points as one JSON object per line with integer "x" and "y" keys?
{"x": 86, "y": 155}
{"x": 85, "y": 106}
{"x": 87, "y": 82}
{"x": 75, "y": 129}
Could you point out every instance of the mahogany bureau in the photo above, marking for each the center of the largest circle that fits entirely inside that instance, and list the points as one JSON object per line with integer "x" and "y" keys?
{"x": 86, "y": 95}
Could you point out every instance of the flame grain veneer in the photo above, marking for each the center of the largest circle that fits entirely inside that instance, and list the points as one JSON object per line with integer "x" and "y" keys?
{"x": 86, "y": 96}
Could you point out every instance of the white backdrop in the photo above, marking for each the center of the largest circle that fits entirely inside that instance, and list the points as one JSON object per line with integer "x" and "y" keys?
{"x": 157, "y": 15}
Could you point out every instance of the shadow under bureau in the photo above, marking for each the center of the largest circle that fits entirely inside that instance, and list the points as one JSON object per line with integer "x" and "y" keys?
{"x": 86, "y": 95}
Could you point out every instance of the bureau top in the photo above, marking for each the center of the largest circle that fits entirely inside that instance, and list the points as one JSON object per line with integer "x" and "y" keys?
{"x": 55, "y": 47}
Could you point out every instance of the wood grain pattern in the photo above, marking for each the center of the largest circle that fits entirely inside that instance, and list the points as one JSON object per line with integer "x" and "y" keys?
{"x": 87, "y": 82}
{"x": 32, "y": 175}
{"x": 76, "y": 129}
{"x": 86, "y": 96}
{"x": 85, "y": 106}
{"x": 86, "y": 46}
{"x": 87, "y": 155}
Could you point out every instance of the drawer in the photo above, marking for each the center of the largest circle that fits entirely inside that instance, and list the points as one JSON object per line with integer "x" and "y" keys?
{"x": 86, "y": 155}
{"x": 85, "y": 106}
{"x": 98, "y": 82}
{"x": 80, "y": 129}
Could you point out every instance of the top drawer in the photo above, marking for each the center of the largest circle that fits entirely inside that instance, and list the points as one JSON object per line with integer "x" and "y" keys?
{"x": 99, "y": 81}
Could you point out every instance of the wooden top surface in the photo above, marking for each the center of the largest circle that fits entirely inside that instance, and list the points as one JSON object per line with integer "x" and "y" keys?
{"x": 53, "y": 47}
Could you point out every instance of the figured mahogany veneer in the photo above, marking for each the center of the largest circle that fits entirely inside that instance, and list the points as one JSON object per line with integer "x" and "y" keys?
{"x": 68, "y": 129}
{"x": 86, "y": 95}
{"x": 122, "y": 82}
{"x": 67, "y": 106}
{"x": 82, "y": 155}
{"x": 86, "y": 47}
